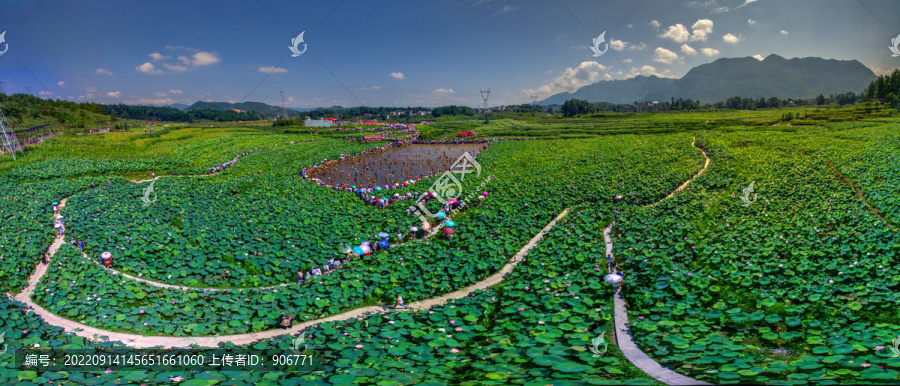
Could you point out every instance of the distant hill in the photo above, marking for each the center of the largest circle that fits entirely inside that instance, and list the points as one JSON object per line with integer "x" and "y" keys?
{"x": 259, "y": 107}
{"x": 746, "y": 77}
{"x": 614, "y": 91}
{"x": 180, "y": 106}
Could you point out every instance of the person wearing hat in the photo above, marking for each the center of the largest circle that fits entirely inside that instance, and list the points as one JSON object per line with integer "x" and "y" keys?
{"x": 286, "y": 322}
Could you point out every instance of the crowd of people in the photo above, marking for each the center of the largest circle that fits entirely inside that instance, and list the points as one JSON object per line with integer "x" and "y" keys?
{"x": 469, "y": 141}
{"x": 218, "y": 168}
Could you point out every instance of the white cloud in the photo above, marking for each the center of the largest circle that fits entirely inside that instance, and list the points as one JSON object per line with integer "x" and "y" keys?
{"x": 175, "y": 91}
{"x": 648, "y": 70}
{"x": 147, "y": 101}
{"x": 147, "y": 68}
{"x": 184, "y": 59}
{"x": 157, "y": 56}
{"x": 701, "y": 28}
{"x": 48, "y": 95}
{"x": 638, "y": 47}
{"x": 370, "y": 88}
{"x": 397, "y": 75}
{"x": 61, "y": 84}
{"x": 677, "y": 33}
{"x": 90, "y": 89}
{"x": 627, "y": 60}
{"x": 758, "y": 57}
{"x": 175, "y": 67}
{"x": 731, "y": 39}
{"x": 271, "y": 69}
{"x": 617, "y": 45}
{"x": 443, "y": 91}
{"x": 783, "y": 32}
{"x": 654, "y": 23}
{"x": 607, "y": 76}
{"x": 102, "y": 71}
{"x": 204, "y": 58}
{"x": 709, "y": 51}
{"x": 160, "y": 94}
{"x": 173, "y": 48}
{"x": 114, "y": 94}
{"x": 688, "y": 50}
{"x": 630, "y": 26}
{"x": 663, "y": 55}
{"x": 570, "y": 80}
{"x": 727, "y": 8}
{"x": 751, "y": 22}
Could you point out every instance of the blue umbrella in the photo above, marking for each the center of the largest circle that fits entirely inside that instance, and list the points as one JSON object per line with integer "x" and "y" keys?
{"x": 441, "y": 215}
{"x": 358, "y": 250}
{"x": 383, "y": 235}
{"x": 449, "y": 223}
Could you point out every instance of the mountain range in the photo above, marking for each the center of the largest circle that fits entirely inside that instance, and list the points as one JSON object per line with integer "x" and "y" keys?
{"x": 799, "y": 78}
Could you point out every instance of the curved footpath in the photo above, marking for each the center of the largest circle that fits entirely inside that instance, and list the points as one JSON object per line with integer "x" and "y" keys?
{"x": 624, "y": 337}
{"x": 141, "y": 341}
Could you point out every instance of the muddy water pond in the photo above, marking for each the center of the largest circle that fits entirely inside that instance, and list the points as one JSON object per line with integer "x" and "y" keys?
{"x": 394, "y": 165}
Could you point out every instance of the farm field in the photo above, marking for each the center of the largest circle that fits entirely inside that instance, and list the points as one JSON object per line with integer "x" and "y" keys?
{"x": 774, "y": 262}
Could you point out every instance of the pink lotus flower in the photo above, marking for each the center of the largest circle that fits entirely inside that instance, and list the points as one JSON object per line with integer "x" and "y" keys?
{"x": 454, "y": 351}
{"x": 359, "y": 346}
{"x": 540, "y": 322}
{"x": 879, "y": 348}
{"x": 865, "y": 365}
{"x": 521, "y": 309}
{"x": 452, "y": 321}
{"x": 142, "y": 311}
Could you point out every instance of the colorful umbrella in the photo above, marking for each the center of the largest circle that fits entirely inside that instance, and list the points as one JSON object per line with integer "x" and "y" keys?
{"x": 612, "y": 278}
{"x": 449, "y": 223}
{"x": 383, "y": 235}
{"x": 441, "y": 215}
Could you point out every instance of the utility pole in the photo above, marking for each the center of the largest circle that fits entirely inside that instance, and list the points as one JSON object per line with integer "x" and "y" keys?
{"x": 10, "y": 142}
{"x": 485, "y": 95}
{"x": 533, "y": 101}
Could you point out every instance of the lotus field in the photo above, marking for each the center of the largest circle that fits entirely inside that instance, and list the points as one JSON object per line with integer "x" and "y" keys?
{"x": 774, "y": 264}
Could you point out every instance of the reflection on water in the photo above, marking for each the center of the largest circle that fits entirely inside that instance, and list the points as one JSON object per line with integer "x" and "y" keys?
{"x": 393, "y": 166}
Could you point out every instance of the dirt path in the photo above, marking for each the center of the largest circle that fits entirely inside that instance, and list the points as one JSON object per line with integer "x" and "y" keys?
{"x": 140, "y": 341}
{"x": 624, "y": 337}
{"x": 685, "y": 184}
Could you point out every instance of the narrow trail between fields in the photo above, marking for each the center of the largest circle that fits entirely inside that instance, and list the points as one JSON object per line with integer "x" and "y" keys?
{"x": 624, "y": 337}
{"x": 141, "y": 341}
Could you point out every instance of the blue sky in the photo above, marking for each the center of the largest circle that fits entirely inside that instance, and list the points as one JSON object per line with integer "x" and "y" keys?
{"x": 407, "y": 53}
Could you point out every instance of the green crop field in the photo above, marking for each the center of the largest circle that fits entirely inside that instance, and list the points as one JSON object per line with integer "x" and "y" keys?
{"x": 794, "y": 282}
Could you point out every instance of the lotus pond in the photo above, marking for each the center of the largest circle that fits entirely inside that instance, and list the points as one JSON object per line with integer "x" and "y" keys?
{"x": 799, "y": 286}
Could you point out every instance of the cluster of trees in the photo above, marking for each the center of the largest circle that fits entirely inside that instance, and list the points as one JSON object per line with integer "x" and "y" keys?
{"x": 170, "y": 114}
{"x": 684, "y": 104}
{"x": 886, "y": 88}
{"x": 19, "y": 107}
{"x": 573, "y": 107}
{"x": 452, "y": 110}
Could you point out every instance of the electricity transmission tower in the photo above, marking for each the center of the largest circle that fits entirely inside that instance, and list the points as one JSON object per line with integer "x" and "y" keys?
{"x": 10, "y": 142}
{"x": 484, "y": 96}
{"x": 533, "y": 101}
{"x": 283, "y": 108}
